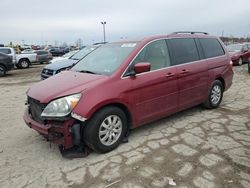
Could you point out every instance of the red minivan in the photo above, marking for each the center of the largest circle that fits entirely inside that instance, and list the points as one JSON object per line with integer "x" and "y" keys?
{"x": 123, "y": 85}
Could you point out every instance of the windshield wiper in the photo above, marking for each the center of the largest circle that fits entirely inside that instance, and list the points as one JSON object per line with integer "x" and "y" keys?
{"x": 74, "y": 58}
{"x": 87, "y": 71}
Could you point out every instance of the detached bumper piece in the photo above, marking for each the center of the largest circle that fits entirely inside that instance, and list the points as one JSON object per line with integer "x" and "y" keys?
{"x": 75, "y": 152}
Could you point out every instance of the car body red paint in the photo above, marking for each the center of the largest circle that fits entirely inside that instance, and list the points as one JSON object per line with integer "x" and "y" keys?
{"x": 144, "y": 97}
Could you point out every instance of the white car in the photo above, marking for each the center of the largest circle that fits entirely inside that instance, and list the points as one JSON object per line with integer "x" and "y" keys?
{"x": 65, "y": 56}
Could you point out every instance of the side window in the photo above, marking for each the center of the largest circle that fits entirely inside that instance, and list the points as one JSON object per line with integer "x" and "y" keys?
{"x": 5, "y": 51}
{"x": 183, "y": 50}
{"x": 156, "y": 53}
{"x": 211, "y": 47}
{"x": 244, "y": 48}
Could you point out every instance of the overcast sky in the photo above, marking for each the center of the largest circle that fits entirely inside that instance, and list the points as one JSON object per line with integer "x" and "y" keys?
{"x": 38, "y": 21}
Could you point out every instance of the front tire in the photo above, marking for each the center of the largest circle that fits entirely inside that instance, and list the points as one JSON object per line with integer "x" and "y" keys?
{"x": 2, "y": 71}
{"x": 215, "y": 95}
{"x": 106, "y": 129}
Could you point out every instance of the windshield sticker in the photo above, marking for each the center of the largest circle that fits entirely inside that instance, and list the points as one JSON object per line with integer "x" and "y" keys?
{"x": 128, "y": 45}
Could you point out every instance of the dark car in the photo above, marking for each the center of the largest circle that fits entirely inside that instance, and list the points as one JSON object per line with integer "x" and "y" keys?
{"x": 60, "y": 65}
{"x": 123, "y": 85}
{"x": 57, "y": 51}
{"x": 6, "y": 64}
{"x": 240, "y": 53}
{"x": 43, "y": 56}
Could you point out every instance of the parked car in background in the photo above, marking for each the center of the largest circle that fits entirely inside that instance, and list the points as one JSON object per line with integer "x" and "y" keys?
{"x": 27, "y": 51}
{"x": 249, "y": 66}
{"x": 64, "y": 64}
{"x": 65, "y": 56}
{"x": 57, "y": 51}
{"x": 20, "y": 60}
{"x": 9, "y": 51}
{"x": 43, "y": 56}
{"x": 6, "y": 64}
{"x": 240, "y": 53}
{"x": 123, "y": 85}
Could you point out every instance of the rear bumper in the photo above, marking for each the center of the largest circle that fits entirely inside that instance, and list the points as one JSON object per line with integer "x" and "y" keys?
{"x": 59, "y": 134}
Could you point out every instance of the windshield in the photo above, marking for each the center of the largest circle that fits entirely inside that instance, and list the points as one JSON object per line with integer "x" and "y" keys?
{"x": 83, "y": 52}
{"x": 106, "y": 59}
{"x": 70, "y": 53}
{"x": 234, "y": 47}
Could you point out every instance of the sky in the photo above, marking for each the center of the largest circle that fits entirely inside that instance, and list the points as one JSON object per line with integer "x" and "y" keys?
{"x": 59, "y": 21}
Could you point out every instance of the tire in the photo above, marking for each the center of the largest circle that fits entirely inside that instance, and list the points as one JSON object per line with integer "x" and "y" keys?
{"x": 215, "y": 95}
{"x": 105, "y": 130}
{"x": 249, "y": 67}
{"x": 24, "y": 63}
{"x": 240, "y": 62}
{"x": 2, "y": 71}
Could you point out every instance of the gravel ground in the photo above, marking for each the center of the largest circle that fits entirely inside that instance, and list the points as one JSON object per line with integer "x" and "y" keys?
{"x": 194, "y": 148}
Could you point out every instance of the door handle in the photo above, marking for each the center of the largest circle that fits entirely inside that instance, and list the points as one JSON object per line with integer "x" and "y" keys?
{"x": 184, "y": 71}
{"x": 169, "y": 75}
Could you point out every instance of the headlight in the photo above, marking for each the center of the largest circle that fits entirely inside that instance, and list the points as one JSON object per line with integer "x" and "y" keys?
{"x": 61, "y": 107}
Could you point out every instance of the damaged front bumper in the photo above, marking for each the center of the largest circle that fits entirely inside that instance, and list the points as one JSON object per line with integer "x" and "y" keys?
{"x": 54, "y": 131}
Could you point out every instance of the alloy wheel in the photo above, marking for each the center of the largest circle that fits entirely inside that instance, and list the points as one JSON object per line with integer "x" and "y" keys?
{"x": 110, "y": 130}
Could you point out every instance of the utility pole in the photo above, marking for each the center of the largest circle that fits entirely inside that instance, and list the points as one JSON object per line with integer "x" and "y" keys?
{"x": 104, "y": 33}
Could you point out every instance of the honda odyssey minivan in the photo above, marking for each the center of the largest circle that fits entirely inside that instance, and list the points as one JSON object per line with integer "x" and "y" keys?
{"x": 123, "y": 85}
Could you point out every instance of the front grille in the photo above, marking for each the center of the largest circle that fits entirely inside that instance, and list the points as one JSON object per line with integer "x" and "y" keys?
{"x": 48, "y": 72}
{"x": 36, "y": 109}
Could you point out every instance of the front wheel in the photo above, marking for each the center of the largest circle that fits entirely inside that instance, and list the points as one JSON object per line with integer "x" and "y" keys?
{"x": 105, "y": 129}
{"x": 215, "y": 95}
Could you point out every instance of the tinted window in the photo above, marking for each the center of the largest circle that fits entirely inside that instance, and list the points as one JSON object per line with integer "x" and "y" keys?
{"x": 5, "y": 51}
{"x": 156, "y": 53}
{"x": 183, "y": 50}
{"x": 211, "y": 47}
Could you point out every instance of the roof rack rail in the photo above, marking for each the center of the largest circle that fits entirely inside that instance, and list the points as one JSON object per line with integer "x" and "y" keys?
{"x": 191, "y": 32}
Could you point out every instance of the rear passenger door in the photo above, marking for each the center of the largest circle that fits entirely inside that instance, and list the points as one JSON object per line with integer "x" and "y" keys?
{"x": 192, "y": 72}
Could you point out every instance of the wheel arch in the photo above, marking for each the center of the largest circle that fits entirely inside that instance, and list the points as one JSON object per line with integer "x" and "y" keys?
{"x": 122, "y": 106}
{"x": 222, "y": 81}
{"x": 20, "y": 60}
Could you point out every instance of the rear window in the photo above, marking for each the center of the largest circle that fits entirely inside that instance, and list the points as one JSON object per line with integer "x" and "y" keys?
{"x": 211, "y": 47}
{"x": 183, "y": 50}
{"x": 41, "y": 52}
{"x": 5, "y": 51}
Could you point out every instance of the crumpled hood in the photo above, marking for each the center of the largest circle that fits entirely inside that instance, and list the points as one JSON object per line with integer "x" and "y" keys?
{"x": 63, "y": 84}
{"x": 63, "y": 63}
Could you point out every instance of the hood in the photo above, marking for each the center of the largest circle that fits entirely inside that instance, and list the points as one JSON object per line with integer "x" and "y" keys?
{"x": 63, "y": 63}
{"x": 63, "y": 84}
{"x": 57, "y": 59}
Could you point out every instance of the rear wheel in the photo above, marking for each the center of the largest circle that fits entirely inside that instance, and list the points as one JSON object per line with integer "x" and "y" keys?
{"x": 240, "y": 62}
{"x": 2, "y": 70}
{"x": 215, "y": 95}
{"x": 24, "y": 63}
{"x": 249, "y": 66}
{"x": 105, "y": 129}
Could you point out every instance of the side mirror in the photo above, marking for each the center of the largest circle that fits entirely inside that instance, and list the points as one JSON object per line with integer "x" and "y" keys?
{"x": 142, "y": 67}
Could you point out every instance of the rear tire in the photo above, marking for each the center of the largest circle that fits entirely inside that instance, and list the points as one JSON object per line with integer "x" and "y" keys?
{"x": 2, "y": 71}
{"x": 215, "y": 95}
{"x": 249, "y": 66}
{"x": 24, "y": 63}
{"x": 106, "y": 129}
{"x": 240, "y": 62}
